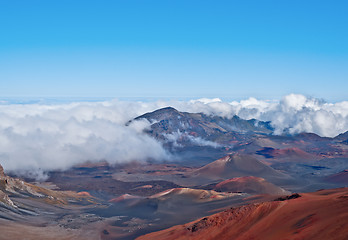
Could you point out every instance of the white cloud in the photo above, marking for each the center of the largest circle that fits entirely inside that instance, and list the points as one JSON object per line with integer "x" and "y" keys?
{"x": 202, "y": 142}
{"x": 206, "y": 100}
{"x": 41, "y": 137}
{"x": 295, "y": 113}
{"x": 46, "y": 137}
{"x": 176, "y": 137}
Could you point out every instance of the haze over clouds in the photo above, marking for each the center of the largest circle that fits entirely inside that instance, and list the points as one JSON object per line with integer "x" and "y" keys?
{"x": 35, "y": 138}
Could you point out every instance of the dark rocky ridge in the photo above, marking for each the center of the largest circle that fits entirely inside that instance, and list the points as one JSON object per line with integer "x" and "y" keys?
{"x": 213, "y": 128}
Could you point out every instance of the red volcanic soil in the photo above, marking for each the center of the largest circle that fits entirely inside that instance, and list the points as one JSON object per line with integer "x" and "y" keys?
{"x": 84, "y": 194}
{"x": 250, "y": 184}
{"x": 124, "y": 197}
{"x": 293, "y": 153}
{"x": 236, "y": 165}
{"x": 341, "y": 177}
{"x": 318, "y": 215}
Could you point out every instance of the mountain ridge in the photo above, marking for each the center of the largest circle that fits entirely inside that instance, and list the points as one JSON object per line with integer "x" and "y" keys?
{"x": 168, "y": 120}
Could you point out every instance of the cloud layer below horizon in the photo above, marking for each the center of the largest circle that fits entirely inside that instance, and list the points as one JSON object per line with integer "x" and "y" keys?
{"x": 35, "y": 138}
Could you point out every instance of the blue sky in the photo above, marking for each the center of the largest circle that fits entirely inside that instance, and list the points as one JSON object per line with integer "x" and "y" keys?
{"x": 174, "y": 49}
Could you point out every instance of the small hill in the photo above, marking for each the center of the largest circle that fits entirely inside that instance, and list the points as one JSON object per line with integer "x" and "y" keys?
{"x": 251, "y": 185}
{"x": 183, "y": 196}
{"x": 191, "y": 195}
{"x": 237, "y": 165}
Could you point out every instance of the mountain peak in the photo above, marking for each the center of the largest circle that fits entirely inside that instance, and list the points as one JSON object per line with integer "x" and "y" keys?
{"x": 159, "y": 113}
{"x": 167, "y": 109}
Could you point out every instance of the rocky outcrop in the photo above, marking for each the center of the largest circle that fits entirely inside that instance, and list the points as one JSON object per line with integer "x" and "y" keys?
{"x": 14, "y": 186}
{"x": 4, "y": 198}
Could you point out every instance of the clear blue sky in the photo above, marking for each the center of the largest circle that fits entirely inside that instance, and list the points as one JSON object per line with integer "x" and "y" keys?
{"x": 174, "y": 48}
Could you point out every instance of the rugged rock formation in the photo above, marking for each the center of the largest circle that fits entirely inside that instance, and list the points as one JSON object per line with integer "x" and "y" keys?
{"x": 6, "y": 200}
{"x": 14, "y": 186}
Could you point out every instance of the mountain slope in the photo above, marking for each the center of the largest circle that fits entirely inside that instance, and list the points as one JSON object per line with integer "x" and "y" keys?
{"x": 251, "y": 185}
{"x": 318, "y": 215}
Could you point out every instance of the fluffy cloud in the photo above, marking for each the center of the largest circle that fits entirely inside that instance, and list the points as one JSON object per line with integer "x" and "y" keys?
{"x": 37, "y": 138}
{"x": 176, "y": 137}
{"x": 294, "y": 113}
{"x": 41, "y": 137}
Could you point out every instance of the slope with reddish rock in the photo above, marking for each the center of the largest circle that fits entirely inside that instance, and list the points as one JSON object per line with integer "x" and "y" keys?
{"x": 237, "y": 165}
{"x": 318, "y": 215}
{"x": 251, "y": 185}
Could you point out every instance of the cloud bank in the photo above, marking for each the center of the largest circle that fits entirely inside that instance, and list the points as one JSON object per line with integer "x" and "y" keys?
{"x": 294, "y": 113}
{"x": 36, "y": 138}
